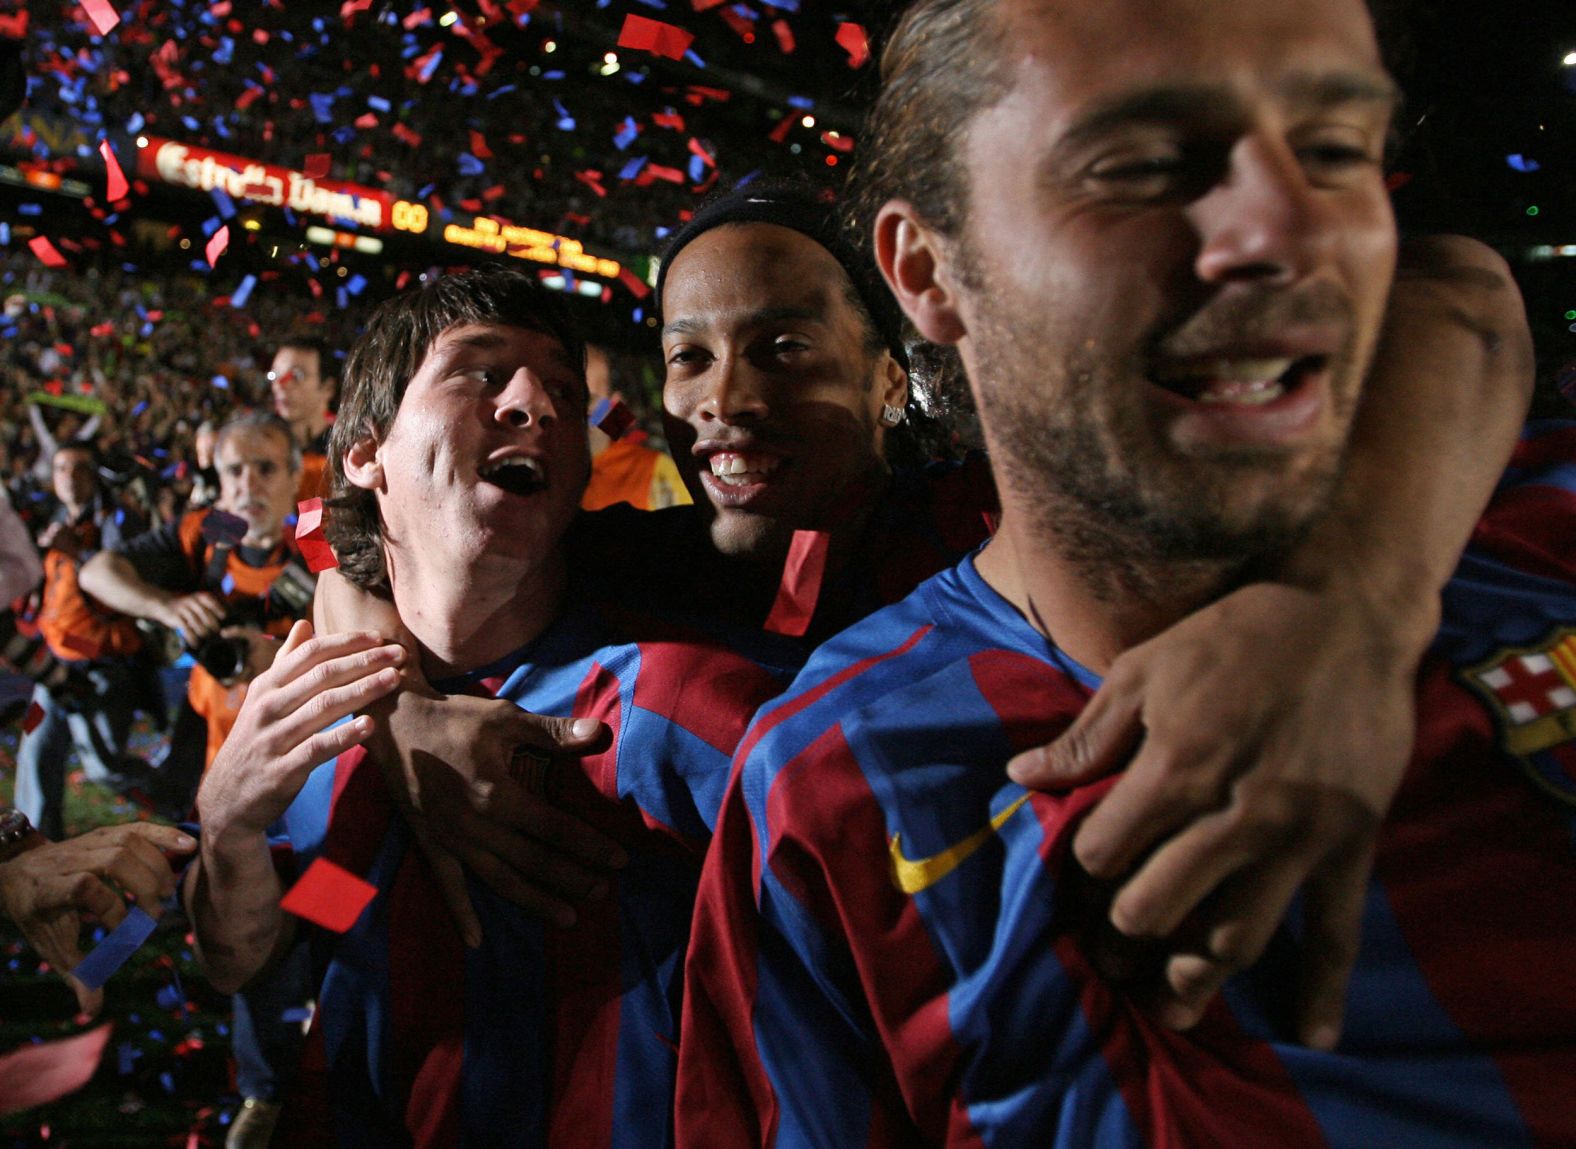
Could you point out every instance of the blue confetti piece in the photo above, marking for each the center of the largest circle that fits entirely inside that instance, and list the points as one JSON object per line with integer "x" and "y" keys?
{"x": 222, "y": 201}
{"x": 803, "y": 103}
{"x": 379, "y": 104}
{"x": 228, "y": 585}
{"x": 697, "y": 169}
{"x": 1522, "y": 164}
{"x": 691, "y": 55}
{"x": 218, "y": 126}
{"x": 632, "y": 168}
{"x": 126, "y": 1053}
{"x": 225, "y": 53}
{"x": 155, "y": 1035}
{"x": 30, "y": 209}
{"x": 111, "y": 953}
{"x": 357, "y": 284}
{"x": 341, "y": 298}
{"x": 210, "y": 225}
{"x": 167, "y": 1079}
{"x": 297, "y": 1013}
{"x": 139, "y": 408}
{"x": 640, "y": 315}
{"x": 627, "y": 133}
{"x": 344, "y": 134}
{"x": 191, "y": 122}
{"x": 555, "y": 74}
{"x": 634, "y": 77}
{"x": 503, "y": 91}
{"x": 243, "y": 292}
{"x": 170, "y": 997}
{"x": 134, "y": 125}
{"x": 220, "y": 382}
{"x": 470, "y": 166}
{"x": 322, "y": 107}
{"x": 430, "y": 67}
{"x": 5, "y": 233}
{"x": 566, "y": 122}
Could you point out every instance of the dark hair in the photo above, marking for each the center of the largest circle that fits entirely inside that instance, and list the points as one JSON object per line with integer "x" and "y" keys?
{"x": 801, "y": 208}
{"x": 379, "y": 367}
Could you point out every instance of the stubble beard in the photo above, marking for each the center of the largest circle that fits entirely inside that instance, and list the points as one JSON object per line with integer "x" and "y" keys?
{"x": 1135, "y": 515}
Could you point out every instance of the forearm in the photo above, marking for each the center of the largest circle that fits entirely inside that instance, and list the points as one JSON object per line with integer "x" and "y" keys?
{"x": 1445, "y": 401}
{"x": 110, "y": 578}
{"x": 232, "y": 898}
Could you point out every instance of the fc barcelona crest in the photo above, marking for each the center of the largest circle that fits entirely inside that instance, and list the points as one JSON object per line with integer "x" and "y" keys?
{"x": 1532, "y": 692}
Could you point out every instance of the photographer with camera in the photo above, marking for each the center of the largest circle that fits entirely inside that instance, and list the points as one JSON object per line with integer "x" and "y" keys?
{"x": 87, "y": 685}
{"x": 231, "y": 581}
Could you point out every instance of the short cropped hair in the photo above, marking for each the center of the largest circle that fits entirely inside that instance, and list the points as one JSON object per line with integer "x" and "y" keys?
{"x": 260, "y": 420}
{"x": 945, "y": 62}
{"x": 379, "y": 368}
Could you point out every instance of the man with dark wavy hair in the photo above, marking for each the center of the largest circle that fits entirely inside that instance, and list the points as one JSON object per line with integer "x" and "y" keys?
{"x": 1158, "y": 233}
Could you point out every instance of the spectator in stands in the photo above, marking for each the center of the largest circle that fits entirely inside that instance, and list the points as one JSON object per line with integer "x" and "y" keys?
{"x": 91, "y": 693}
{"x": 302, "y": 383}
{"x": 624, "y": 469}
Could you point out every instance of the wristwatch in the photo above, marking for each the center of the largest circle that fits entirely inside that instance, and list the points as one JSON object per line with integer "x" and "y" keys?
{"x": 15, "y": 830}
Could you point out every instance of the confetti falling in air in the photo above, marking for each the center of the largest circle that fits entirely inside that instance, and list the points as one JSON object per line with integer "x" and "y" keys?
{"x": 329, "y": 896}
{"x": 612, "y": 418}
{"x": 310, "y": 538}
{"x": 116, "y": 186}
{"x": 646, "y": 35}
{"x": 46, "y": 251}
{"x": 217, "y": 244}
{"x": 103, "y": 15}
{"x": 50, "y": 1070}
{"x": 852, "y": 39}
{"x": 800, "y": 588}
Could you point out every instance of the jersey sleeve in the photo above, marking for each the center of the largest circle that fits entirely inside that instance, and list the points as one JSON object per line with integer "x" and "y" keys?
{"x": 1526, "y": 521}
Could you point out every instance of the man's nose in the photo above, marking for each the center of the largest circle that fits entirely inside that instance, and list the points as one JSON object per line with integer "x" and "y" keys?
{"x": 525, "y": 402}
{"x": 1263, "y": 222}
{"x": 733, "y": 391}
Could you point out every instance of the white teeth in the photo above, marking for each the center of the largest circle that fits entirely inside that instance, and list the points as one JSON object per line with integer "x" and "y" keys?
{"x": 1229, "y": 370}
{"x": 1254, "y": 393}
{"x": 532, "y": 465}
{"x": 728, "y": 463}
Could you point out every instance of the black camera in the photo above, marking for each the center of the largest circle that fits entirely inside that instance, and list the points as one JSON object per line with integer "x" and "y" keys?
{"x": 223, "y": 657}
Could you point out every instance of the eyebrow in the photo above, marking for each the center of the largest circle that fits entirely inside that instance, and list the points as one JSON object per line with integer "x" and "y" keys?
{"x": 1176, "y": 104}
{"x": 754, "y": 319}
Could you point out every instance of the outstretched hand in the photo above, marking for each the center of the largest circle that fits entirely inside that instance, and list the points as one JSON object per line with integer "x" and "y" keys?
{"x": 1267, "y": 734}
{"x": 470, "y": 776}
{"x": 49, "y": 890}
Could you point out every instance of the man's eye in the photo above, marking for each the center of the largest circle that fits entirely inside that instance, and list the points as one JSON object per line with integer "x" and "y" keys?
{"x": 685, "y": 356}
{"x": 1137, "y": 169}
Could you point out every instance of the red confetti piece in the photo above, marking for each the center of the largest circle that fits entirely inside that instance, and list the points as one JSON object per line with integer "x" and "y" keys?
{"x": 30, "y": 720}
{"x": 593, "y": 180}
{"x": 801, "y": 585}
{"x": 668, "y": 120}
{"x": 407, "y": 136}
{"x": 102, "y": 329}
{"x": 116, "y": 186}
{"x": 329, "y": 896}
{"x": 852, "y": 39}
{"x": 643, "y": 34}
{"x": 638, "y": 287}
{"x": 784, "y": 36}
{"x": 14, "y": 27}
{"x": 317, "y": 166}
{"x": 102, "y": 14}
{"x": 780, "y": 133}
{"x": 46, "y": 252}
{"x": 479, "y": 147}
{"x": 39, "y": 1074}
{"x": 217, "y": 243}
{"x": 366, "y": 120}
{"x": 699, "y": 149}
{"x": 314, "y": 546}
{"x": 612, "y": 418}
{"x": 837, "y": 141}
{"x": 705, "y": 5}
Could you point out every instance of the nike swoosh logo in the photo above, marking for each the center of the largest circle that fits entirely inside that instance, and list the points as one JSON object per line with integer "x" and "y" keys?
{"x": 918, "y": 875}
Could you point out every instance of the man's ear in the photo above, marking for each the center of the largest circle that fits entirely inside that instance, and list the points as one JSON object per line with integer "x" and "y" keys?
{"x": 363, "y": 467}
{"x": 894, "y": 382}
{"x": 913, "y": 260}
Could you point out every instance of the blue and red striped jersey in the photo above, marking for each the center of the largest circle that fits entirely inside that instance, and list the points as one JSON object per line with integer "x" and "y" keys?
{"x": 541, "y": 1036}
{"x": 889, "y": 943}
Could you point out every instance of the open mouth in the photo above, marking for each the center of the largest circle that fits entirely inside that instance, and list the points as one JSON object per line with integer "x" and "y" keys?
{"x": 517, "y": 475}
{"x": 1239, "y": 382}
{"x": 742, "y": 468}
